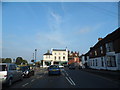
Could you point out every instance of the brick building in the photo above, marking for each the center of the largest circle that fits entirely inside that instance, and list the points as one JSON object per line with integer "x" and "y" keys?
{"x": 73, "y": 57}
{"x": 105, "y": 54}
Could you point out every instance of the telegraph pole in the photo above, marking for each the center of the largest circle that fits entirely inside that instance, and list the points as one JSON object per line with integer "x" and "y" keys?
{"x": 35, "y": 53}
{"x": 33, "y": 56}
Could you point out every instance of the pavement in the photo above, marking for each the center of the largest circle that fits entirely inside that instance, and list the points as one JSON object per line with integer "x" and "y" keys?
{"x": 113, "y": 75}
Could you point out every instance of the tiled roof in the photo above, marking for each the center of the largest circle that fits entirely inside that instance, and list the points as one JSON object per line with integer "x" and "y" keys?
{"x": 110, "y": 37}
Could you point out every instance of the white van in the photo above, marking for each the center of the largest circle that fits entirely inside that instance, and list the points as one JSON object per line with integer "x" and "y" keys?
{"x": 9, "y": 73}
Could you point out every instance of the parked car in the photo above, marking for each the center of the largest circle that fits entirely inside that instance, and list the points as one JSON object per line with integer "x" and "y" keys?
{"x": 9, "y": 73}
{"x": 27, "y": 72}
{"x": 54, "y": 69}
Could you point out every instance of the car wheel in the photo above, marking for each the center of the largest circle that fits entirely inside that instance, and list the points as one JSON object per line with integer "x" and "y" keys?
{"x": 9, "y": 82}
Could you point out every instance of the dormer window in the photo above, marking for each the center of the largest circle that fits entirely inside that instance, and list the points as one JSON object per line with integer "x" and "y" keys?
{"x": 109, "y": 47}
{"x": 101, "y": 50}
{"x": 95, "y": 53}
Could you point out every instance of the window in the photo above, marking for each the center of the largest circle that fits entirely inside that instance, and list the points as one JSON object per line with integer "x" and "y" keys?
{"x": 111, "y": 62}
{"x": 102, "y": 62}
{"x": 109, "y": 47}
{"x": 55, "y": 57}
{"x": 3, "y": 68}
{"x": 95, "y": 53}
{"x": 101, "y": 50}
{"x": 59, "y": 53}
{"x": 59, "y": 58}
{"x": 93, "y": 62}
{"x": 63, "y": 53}
{"x": 96, "y": 62}
{"x": 55, "y": 53}
{"x": 63, "y": 58}
{"x": 12, "y": 67}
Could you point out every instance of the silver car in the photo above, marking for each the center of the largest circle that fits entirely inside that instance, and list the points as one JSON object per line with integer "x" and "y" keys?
{"x": 9, "y": 73}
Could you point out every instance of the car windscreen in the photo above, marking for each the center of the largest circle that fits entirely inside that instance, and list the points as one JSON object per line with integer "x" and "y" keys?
{"x": 54, "y": 66}
{"x": 3, "y": 68}
{"x": 24, "y": 68}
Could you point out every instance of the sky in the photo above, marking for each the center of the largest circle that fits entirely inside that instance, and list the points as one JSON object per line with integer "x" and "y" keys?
{"x": 27, "y": 26}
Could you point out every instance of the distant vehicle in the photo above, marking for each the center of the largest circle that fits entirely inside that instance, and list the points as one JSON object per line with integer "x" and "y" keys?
{"x": 9, "y": 73}
{"x": 65, "y": 65}
{"x": 79, "y": 67}
{"x": 72, "y": 66}
{"x": 27, "y": 72}
{"x": 60, "y": 66}
{"x": 54, "y": 69}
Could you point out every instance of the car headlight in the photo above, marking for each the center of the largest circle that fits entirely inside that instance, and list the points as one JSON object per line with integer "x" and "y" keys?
{"x": 27, "y": 72}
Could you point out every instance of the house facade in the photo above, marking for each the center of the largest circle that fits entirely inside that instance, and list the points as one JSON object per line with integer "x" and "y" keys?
{"x": 57, "y": 56}
{"x": 106, "y": 53}
{"x": 73, "y": 58}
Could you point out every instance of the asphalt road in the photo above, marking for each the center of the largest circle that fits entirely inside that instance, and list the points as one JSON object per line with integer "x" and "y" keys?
{"x": 68, "y": 79}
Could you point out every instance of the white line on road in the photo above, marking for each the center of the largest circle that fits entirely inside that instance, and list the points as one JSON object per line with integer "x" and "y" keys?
{"x": 25, "y": 84}
{"x": 72, "y": 81}
{"x": 66, "y": 74}
{"x": 32, "y": 80}
{"x": 69, "y": 81}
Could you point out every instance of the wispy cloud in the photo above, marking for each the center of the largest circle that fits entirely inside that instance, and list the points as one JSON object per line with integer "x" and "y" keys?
{"x": 56, "y": 17}
{"x": 88, "y": 29}
{"x": 51, "y": 38}
{"x": 54, "y": 20}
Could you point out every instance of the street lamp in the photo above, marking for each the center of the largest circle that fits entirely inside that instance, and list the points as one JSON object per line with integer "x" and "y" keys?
{"x": 35, "y": 53}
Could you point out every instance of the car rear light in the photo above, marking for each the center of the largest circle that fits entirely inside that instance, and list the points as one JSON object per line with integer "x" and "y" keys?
{"x": 5, "y": 75}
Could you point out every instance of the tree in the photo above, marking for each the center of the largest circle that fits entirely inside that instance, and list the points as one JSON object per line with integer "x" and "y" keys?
{"x": 37, "y": 63}
{"x": 32, "y": 60}
{"x": 42, "y": 62}
{"x": 19, "y": 60}
{"x": 3, "y": 60}
{"x": 8, "y": 60}
{"x": 24, "y": 62}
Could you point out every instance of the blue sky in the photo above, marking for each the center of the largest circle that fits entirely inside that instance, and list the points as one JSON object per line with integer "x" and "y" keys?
{"x": 27, "y": 26}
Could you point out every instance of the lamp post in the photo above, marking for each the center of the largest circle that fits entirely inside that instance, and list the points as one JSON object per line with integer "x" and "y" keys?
{"x": 35, "y": 53}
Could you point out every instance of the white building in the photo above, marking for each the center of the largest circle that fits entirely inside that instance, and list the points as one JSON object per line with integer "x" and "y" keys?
{"x": 57, "y": 56}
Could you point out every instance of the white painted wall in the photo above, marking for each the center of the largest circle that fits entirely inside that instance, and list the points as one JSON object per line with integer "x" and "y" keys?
{"x": 60, "y": 54}
{"x": 118, "y": 60}
{"x": 47, "y": 57}
{"x": 99, "y": 66}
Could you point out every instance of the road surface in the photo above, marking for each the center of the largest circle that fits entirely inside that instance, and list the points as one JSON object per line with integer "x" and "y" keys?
{"x": 68, "y": 79}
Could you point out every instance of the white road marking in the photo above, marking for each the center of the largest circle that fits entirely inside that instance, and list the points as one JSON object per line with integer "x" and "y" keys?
{"x": 32, "y": 80}
{"x": 25, "y": 84}
{"x": 66, "y": 74}
{"x": 72, "y": 81}
{"x": 69, "y": 81}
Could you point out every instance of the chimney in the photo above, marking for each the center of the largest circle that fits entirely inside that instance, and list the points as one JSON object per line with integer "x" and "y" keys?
{"x": 91, "y": 48}
{"x": 99, "y": 39}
